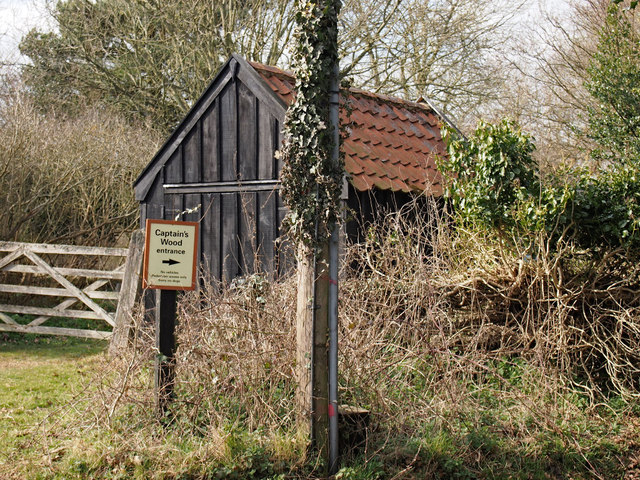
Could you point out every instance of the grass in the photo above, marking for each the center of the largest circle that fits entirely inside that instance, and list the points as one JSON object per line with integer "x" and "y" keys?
{"x": 39, "y": 378}
{"x": 47, "y": 385}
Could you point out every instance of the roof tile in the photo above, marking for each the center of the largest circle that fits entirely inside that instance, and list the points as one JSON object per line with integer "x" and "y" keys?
{"x": 391, "y": 144}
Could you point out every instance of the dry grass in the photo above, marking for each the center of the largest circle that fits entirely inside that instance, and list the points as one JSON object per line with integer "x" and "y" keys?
{"x": 474, "y": 359}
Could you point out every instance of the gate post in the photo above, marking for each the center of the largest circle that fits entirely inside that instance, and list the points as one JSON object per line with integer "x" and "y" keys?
{"x": 129, "y": 292}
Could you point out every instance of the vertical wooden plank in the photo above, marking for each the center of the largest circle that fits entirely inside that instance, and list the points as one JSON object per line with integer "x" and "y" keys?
{"x": 211, "y": 144}
{"x": 173, "y": 167}
{"x": 194, "y": 201}
{"x": 267, "y": 229}
{"x": 206, "y": 231}
{"x": 192, "y": 155}
{"x": 155, "y": 199}
{"x": 247, "y": 131}
{"x": 229, "y": 131}
{"x": 229, "y": 236}
{"x": 276, "y": 132}
{"x": 191, "y": 202}
{"x": 215, "y": 240}
{"x": 266, "y": 146}
{"x": 143, "y": 214}
{"x": 174, "y": 206}
{"x": 155, "y": 210}
{"x": 285, "y": 258}
{"x": 248, "y": 231}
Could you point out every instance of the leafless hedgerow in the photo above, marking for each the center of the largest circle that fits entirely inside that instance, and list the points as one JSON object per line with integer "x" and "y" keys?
{"x": 437, "y": 326}
{"x": 434, "y": 316}
{"x": 236, "y": 356}
{"x": 67, "y": 180}
{"x": 429, "y": 315}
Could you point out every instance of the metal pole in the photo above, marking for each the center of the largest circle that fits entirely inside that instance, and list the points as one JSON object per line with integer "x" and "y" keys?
{"x": 333, "y": 353}
{"x": 334, "y": 115}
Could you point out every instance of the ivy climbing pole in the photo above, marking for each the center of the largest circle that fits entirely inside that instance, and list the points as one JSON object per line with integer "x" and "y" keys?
{"x": 312, "y": 177}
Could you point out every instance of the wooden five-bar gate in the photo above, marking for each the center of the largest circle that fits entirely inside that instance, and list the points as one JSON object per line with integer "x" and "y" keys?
{"x": 38, "y": 282}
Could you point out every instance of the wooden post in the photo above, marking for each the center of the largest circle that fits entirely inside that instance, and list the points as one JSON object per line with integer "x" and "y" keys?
{"x": 304, "y": 329}
{"x": 129, "y": 293}
{"x": 311, "y": 348}
{"x": 166, "y": 314}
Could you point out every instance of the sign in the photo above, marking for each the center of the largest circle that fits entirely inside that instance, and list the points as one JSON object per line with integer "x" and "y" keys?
{"x": 170, "y": 255}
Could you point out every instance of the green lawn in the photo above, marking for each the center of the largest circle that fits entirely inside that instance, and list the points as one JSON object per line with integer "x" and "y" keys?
{"x": 38, "y": 377}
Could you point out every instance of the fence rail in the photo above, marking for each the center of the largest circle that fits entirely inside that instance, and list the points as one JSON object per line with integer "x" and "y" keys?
{"x": 42, "y": 277}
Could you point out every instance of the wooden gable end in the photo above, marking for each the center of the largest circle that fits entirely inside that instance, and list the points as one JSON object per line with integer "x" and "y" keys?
{"x": 230, "y": 134}
{"x": 234, "y": 141}
{"x": 220, "y": 162}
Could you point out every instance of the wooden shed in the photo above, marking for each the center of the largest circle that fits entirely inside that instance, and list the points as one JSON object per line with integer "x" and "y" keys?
{"x": 220, "y": 163}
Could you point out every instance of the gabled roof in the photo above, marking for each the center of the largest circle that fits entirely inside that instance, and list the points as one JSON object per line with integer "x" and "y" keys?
{"x": 392, "y": 143}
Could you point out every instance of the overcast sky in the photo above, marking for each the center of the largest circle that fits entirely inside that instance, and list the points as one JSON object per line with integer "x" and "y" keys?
{"x": 17, "y": 17}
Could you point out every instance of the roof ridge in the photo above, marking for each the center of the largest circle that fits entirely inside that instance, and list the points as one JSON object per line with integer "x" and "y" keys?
{"x": 353, "y": 90}
{"x": 391, "y": 99}
{"x": 272, "y": 69}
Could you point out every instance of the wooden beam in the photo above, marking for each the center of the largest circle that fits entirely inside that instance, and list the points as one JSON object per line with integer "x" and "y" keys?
{"x": 67, "y": 272}
{"x": 224, "y": 187}
{"x": 7, "y": 319}
{"x": 304, "y": 332}
{"x": 71, "y": 287}
{"x": 129, "y": 293}
{"x": 63, "y": 249}
{"x": 14, "y": 255}
{"x": 50, "y": 312}
{"x": 55, "y": 292}
{"x": 70, "y": 302}
{"x": 70, "y": 332}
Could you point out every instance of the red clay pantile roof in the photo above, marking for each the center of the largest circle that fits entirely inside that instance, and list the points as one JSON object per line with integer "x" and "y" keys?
{"x": 392, "y": 143}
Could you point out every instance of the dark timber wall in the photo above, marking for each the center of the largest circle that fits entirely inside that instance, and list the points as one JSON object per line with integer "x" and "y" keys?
{"x": 222, "y": 157}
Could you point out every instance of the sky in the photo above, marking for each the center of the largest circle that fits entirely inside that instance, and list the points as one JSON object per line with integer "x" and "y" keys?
{"x": 17, "y": 17}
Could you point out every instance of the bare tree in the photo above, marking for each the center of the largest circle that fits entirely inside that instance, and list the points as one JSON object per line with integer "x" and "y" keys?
{"x": 551, "y": 70}
{"x": 153, "y": 59}
{"x": 449, "y": 51}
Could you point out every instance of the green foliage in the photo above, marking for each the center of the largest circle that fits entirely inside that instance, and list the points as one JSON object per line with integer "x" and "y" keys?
{"x": 606, "y": 208}
{"x": 494, "y": 183}
{"x": 311, "y": 179}
{"x": 371, "y": 470}
{"x": 614, "y": 82}
{"x": 492, "y": 172}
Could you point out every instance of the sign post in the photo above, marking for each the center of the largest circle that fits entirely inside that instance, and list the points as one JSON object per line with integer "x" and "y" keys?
{"x": 170, "y": 264}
